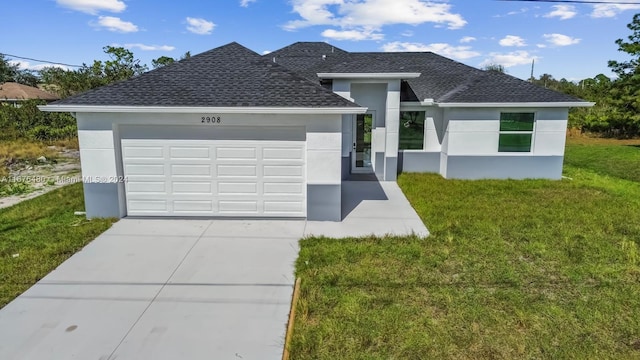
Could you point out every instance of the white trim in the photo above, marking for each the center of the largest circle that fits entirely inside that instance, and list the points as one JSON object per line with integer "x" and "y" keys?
{"x": 368, "y": 75}
{"x": 519, "y": 105}
{"x": 200, "y": 110}
{"x": 423, "y": 105}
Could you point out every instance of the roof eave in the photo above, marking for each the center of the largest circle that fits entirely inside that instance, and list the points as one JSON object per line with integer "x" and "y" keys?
{"x": 199, "y": 110}
{"x": 518, "y": 104}
{"x": 389, "y": 76}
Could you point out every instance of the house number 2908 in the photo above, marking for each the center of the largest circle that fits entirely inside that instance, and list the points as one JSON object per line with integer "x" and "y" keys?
{"x": 211, "y": 120}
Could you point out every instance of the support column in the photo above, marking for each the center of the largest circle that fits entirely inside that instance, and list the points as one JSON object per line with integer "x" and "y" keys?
{"x": 393, "y": 131}
{"x": 324, "y": 169}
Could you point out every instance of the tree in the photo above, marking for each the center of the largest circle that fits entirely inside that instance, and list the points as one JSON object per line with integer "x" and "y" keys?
{"x": 27, "y": 77}
{"x": 631, "y": 47}
{"x": 7, "y": 70}
{"x": 122, "y": 65}
{"x": 162, "y": 61}
{"x": 625, "y": 92}
{"x": 495, "y": 67}
{"x": 165, "y": 60}
{"x": 12, "y": 73}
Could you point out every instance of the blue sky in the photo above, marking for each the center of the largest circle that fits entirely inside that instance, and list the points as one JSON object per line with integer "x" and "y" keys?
{"x": 570, "y": 41}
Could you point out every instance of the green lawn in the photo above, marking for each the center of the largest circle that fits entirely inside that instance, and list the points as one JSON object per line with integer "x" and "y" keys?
{"x": 39, "y": 234}
{"x": 513, "y": 270}
{"x": 606, "y": 158}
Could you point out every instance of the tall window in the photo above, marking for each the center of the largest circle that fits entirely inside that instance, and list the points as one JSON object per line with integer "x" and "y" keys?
{"x": 411, "y": 130}
{"x": 516, "y": 132}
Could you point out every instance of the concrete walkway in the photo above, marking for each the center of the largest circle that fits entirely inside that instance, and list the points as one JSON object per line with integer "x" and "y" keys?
{"x": 183, "y": 289}
{"x": 371, "y": 208}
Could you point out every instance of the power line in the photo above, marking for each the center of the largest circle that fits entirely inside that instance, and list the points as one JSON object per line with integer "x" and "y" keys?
{"x": 580, "y": 2}
{"x": 42, "y": 61}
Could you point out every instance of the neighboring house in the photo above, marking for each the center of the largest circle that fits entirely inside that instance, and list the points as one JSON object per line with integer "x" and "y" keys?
{"x": 14, "y": 93}
{"x": 231, "y": 133}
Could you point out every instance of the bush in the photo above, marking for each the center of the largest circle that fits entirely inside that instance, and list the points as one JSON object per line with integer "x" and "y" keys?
{"x": 28, "y": 122}
{"x": 48, "y": 133}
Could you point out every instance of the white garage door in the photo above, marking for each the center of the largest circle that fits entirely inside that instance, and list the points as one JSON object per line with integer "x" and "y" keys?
{"x": 225, "y": 176}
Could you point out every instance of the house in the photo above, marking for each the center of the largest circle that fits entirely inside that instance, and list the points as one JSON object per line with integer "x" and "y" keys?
{"x": 14, "y": 93}
{"x": 231, "y": 133}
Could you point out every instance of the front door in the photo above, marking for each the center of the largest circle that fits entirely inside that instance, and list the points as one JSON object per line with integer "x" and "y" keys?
{"x": 361, "y": 157}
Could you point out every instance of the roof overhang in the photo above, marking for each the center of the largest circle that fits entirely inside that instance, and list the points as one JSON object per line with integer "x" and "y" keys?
{"x": 199, "y": 110}
{"x": 381, "y": 76}
{"x": 518, "y": 105}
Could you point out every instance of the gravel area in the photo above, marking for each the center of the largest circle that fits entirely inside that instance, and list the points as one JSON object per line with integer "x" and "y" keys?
{"x": 45, "y": 176}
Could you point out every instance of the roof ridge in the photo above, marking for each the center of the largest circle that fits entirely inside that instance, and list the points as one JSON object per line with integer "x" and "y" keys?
{"x": 227, "y": 76}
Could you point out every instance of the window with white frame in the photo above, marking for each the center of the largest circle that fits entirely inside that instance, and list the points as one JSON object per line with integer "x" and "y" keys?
{"x": 411, "y": 130}
{"x": 516, "y": 132}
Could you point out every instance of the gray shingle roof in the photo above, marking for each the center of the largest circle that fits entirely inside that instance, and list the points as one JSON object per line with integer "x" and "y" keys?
{"x": 442, "y": 79}
{"x": 228, "y": 76}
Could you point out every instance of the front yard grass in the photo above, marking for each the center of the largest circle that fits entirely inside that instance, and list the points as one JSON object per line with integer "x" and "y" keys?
{"x": 513, "y": 270}
{"x": 605, "y": 156}
{"x": 39, "y": 234}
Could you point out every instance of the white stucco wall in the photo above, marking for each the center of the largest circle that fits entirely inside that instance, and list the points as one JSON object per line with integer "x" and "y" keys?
{"x": 100, "y": 154}
{"x": 476, "y": 131}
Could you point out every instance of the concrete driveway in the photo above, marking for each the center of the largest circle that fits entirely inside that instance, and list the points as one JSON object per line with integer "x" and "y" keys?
{"x": 184, "y": 289}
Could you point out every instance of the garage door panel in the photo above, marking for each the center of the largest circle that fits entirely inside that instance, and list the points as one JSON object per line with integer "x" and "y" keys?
{"x": 147, "y": 205}
{"x": 189, "y": 152}
{"x": 237, "y": 170}
{"x": 238, "y": 207}
{"x": 144, "y": 169}
{"x": 200, "y": 177}
{"x": 282, "y": 153}
{"x": 146, "y": 186}
{"x": 293, "y": 188}
{"x": 231, "y": 188}
{"x": 191, "y": 187}
{"x": 283, "y": 170}
{"x": 190, "y": 170}
{"x": 236, "y": 153}
{"x": 143, "y": 152}
{"x": 193, "y": 206}
{"x": 283, "y": 207}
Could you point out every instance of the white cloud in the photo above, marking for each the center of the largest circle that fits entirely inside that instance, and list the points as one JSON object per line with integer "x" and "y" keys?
{"x": 521, "y": 11}
{"x": 25, "y": 65}
{"x": 467, "y": 39}
{"x": 266, "y": 52}
{"x": 456, "y": 52}
{"x": 511, "y": 13}
{"x": 115, "y": 24}
{"x": 560, "y": 40}
{"x": 353, "y": 35}
{"x": 200, "y": 26}
{"x": 245, "y": 3}
{"x": 369, "y": 16}
{"x": 512, "y": 40}
{"x": 408, "y": 33}
{"x": 611, "y": 10}
{"x": 93, "y": 6}
{"x": 507, "y": 60}
{"x": 563, "y": 12}
{"x": 144, "y": 47}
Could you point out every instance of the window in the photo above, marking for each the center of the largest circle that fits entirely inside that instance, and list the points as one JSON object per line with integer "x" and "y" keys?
{"x": 516, "y": 132}
{"x": 411, "y": 130}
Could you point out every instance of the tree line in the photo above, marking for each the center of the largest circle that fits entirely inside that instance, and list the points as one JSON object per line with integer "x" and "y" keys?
{"x": 27, "y": 122}
{"x": 616, "y": 113}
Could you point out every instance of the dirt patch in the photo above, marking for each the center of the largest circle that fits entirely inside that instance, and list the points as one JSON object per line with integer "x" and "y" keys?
{"x": 575, "y": 137}
{"x": 44, "y": 175}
